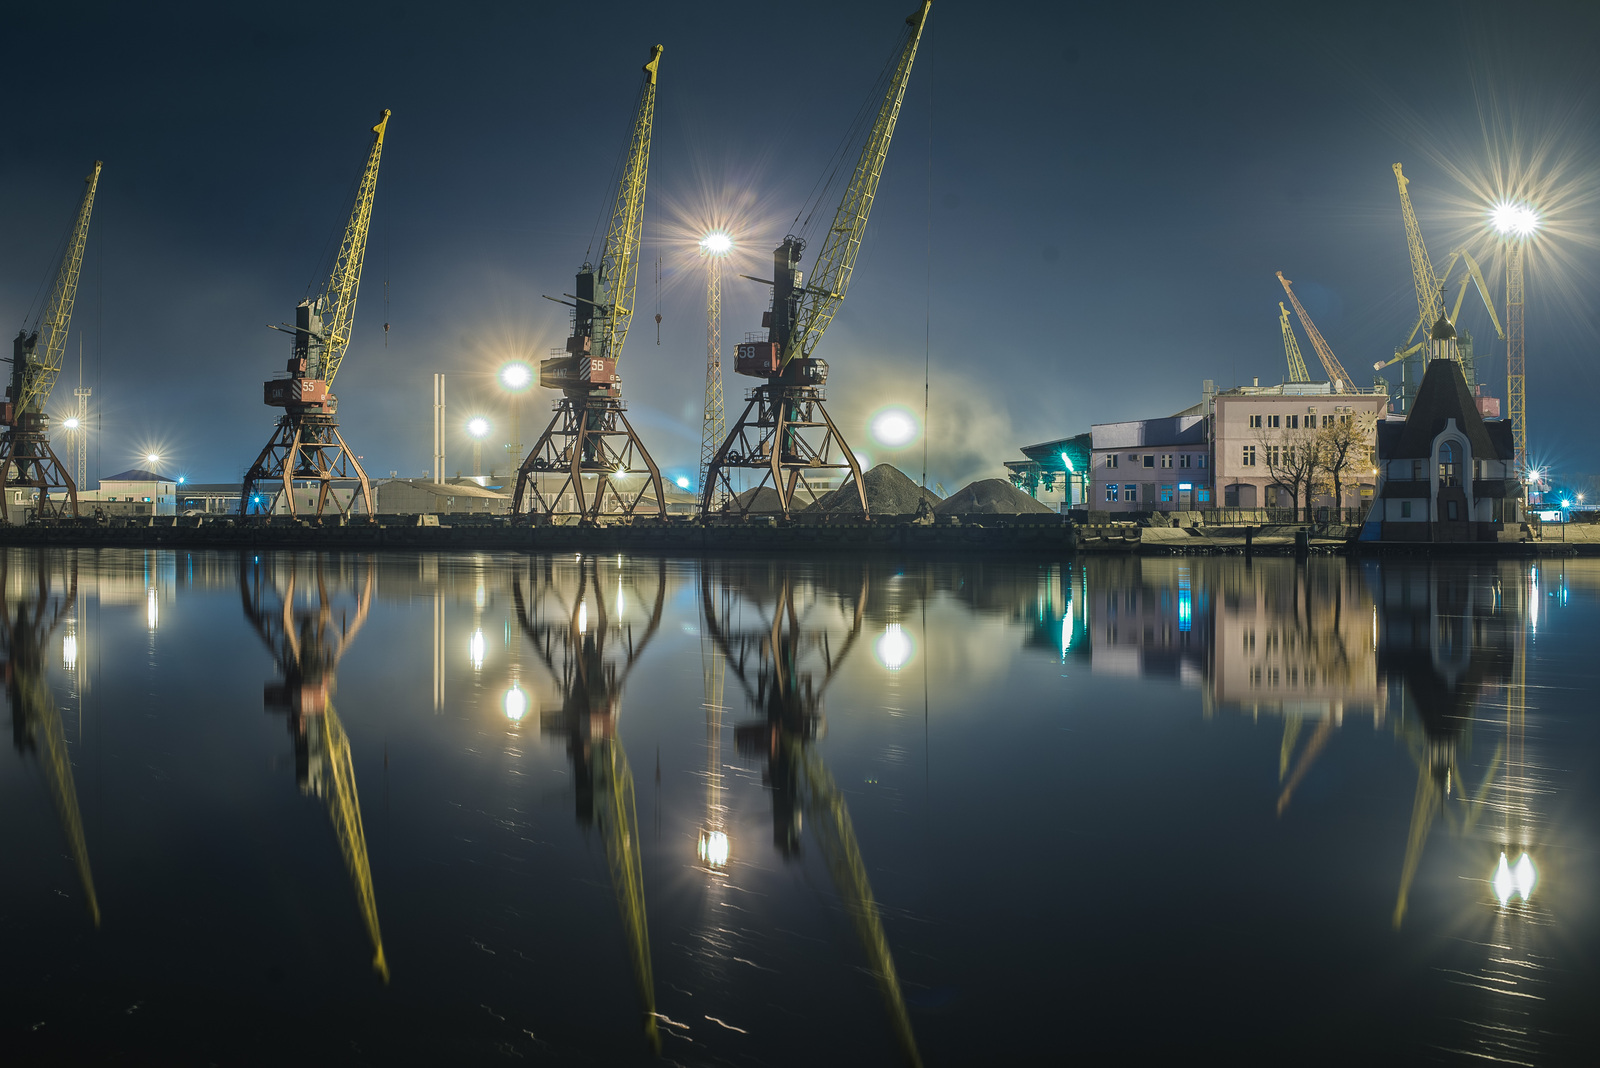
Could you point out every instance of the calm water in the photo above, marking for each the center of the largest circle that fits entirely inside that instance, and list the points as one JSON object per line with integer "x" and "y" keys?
{"x": 483, "y": 808}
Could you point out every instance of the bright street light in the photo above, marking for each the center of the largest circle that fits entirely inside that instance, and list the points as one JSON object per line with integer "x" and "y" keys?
{"x": 683, "y": 483}
{"x": 1514, "y": 218}
{"x": 516, "y": 375}
{"x": 717, "y": 243}
{"x": 71, "y": 423}
{"x": 478, "y": 428}
{"x": 152, "y": 458}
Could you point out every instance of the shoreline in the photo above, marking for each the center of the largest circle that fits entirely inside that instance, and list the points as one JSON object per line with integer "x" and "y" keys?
{"x": 983, "y": 535}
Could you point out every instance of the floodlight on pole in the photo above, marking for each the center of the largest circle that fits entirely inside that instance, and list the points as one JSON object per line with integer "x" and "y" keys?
{"x": 715, "y": 246}
{"x": 515, "y": 377}
{"x": 1515, "y": 222}
{"x": 477, "y": 430}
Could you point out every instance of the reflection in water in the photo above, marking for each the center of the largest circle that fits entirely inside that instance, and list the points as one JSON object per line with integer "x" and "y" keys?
{"x": 307, "y": 644}
{"x": 590, "y": 660}
{"x": 777, "y": 628}
{"x": 1149, "y": 714}
{"x": 28, "y": 624}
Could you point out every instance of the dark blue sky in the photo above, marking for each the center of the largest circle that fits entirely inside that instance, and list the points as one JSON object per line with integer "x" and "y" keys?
{"x": 1079, "y": 221}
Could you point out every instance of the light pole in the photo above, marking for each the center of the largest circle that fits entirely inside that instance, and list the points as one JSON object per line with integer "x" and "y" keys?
{"x": 515, "y": 378}
{"x": 1516, "y": 222}
{"x": 715, "y": 247}
{"x": 477, "y": 429}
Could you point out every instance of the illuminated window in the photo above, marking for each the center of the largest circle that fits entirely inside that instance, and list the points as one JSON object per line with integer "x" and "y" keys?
{"x": 1130, "y": 492}
{"x": 1202, "y": 495}
{"x": 1166, "y": 494}
{"x": 1447, "y": 466}
{"x": 1111, "y": 491}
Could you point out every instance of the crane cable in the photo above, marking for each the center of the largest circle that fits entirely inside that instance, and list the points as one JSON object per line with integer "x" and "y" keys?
{"x": 854, "y": 133}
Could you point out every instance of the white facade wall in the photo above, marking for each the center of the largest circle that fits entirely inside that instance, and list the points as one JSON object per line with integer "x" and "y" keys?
{"x": 1251, "y": 417}
{"x": 1146, "y": 465}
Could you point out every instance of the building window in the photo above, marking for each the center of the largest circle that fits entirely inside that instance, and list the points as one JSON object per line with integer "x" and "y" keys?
{"x": 1130, "y": 492}
{"x": 1166, "y": 459}
{"x": 1202, "y": 495}
{"x": 1249, "y": 456}
{"x": 1416, "y": 470}
{"x": 1202, "y": 460}
{"x": 1327, "y": 420}
{"x": 1150, "y": 460}
{"x": 1274, "y": 456}
{"x": 1272, "y": 421}
{"x": 1447, "y": 466}
{"x": 1166, "y": 494}
{"x": 1111, "y": 492}
{"x": 1405, "y": 509}
{"x": 1111, "y": 460}
{"x": 1293, "y": 422}
{"x": 1450, "y": 506}
{"x": 1255, "y": 422}
{"x": 1183, "y": 459}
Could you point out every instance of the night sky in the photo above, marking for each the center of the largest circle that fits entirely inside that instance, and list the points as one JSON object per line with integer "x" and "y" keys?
{"x": 1079, "y": 221}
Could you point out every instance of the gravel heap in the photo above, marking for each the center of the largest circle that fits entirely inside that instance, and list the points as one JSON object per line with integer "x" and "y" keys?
{"x": 764, "y": 499}
{"x": 990, "y": 496}
{"x": 888, "y": 493}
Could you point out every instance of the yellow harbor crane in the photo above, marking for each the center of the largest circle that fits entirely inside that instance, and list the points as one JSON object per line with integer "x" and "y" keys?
{"x": 589, "y": 656}
{"x": 26, "y": 628}
{"x": 305, "y": 445}
{"x": 589, "y": 461}
{"x": 307, "y": 644}
{"x": 1291, "y": 348}
{"x": 785, "y": 430}
{"x": 26, "y": 458}
{"x": 1430, "y": 302}
{"x": 1330, "y": 363}
{"x": 784, "y": 662}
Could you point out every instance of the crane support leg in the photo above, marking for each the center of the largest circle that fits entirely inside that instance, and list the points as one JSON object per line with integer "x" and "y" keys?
{"x": 791, "y": 435}
{"x": 27, "y": 461}
{"x": 588, "y": 438}
{"x": 306, "y": 449}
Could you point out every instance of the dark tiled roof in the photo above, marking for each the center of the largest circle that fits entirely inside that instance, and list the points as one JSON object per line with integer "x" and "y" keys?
{"x": 136, "y": 474}
{"x": 1443, "y": 396}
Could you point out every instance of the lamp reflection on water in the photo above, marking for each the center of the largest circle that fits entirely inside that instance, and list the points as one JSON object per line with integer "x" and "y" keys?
{"x": 714, "y": 849}
{"x": 475, "y": 647}
{"x": 152, "y": 612}
{"x": 893, "y": 649}
{"x": 69, "y": 651}
{"x": 1518, "y": 879}
{"x": 516, "y": 703}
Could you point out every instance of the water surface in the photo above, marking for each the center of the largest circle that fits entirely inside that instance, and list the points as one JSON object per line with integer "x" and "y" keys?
{"x": 478, "y": 808}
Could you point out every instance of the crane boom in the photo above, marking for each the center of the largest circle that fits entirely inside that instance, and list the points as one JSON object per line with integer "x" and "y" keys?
{"x": 619, "y": 260}
{"x": 34, "y": 376}
{"x": 1291, "y": 348}
{"x": 830, "y": 280}
{"x": 344, "y": 809}
{"x": 1330, "y": 363}
{"x": 339, "y": 298}
{"x": 1430, "y": 306}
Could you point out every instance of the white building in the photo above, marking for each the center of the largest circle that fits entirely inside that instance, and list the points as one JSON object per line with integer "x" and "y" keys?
{"x": 1250, "y": 420}
{"x": 1151, "y": 465}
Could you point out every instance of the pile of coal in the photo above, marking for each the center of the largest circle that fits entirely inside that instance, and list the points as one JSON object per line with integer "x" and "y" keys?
{"x": 763, "y": 499}
{"x": 990, "y": 496}
{"x": 889, "y": 492}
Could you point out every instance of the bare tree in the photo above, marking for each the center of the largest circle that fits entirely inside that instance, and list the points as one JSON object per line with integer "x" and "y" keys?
{"x": 1294, "y": 462}
{"x": 1344, "y": 449}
